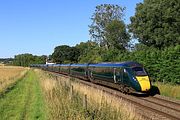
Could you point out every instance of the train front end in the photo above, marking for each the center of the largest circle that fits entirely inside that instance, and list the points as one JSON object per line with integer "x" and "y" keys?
{"x": 142, "y": 78}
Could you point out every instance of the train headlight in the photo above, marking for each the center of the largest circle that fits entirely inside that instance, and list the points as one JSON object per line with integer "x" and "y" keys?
{"x": 134, "y": 79}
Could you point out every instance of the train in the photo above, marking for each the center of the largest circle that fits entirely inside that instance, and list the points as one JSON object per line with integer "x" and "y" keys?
{"x": 127, "y": 77}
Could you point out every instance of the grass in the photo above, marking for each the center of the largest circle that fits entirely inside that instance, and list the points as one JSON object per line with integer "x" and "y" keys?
{"x": 24, "y": 101}
{"x": 7, "y": 72}
{"x": 169, "y": 90}
{"x": 62, "y": 104}
{"x": 9, "y": 75}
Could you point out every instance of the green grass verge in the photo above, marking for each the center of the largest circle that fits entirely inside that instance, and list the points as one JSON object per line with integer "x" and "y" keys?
{"x": 169, "y": 90}
{"x": 24, "y": 101}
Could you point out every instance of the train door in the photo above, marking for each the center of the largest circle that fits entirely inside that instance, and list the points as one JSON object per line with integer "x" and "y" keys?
{"x": 119, "y": 75}
{"x": 126, "y": 79}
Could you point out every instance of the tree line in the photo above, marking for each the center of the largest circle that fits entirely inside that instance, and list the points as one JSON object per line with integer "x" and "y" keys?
{"x": 28, "y": 59}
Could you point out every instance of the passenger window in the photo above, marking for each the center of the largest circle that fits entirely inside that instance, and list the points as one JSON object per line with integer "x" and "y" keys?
{"x": 104, "y": 72}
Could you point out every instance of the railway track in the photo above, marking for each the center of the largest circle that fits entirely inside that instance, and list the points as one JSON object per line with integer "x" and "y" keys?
{"x": 152, "y": 107}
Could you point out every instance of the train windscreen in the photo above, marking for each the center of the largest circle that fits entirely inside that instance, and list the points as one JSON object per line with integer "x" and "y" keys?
{"x": 139, "y": 71}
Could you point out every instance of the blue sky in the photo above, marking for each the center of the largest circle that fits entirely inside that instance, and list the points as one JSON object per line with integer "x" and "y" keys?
{"x": 38, "y": 26}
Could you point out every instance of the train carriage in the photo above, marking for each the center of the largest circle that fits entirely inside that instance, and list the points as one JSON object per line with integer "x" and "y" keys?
{"x": 65, "y": 69}
{"x": 79, "y": 70}
{"x": 130, "y": 76}
{"x": 127, "y": 77}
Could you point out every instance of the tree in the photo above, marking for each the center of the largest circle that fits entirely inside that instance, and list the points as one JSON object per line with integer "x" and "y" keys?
{"x": 117, "y": 35}
{"x": 28, "y": 59}
{"x": 85, "y": 47}
{"x": 60, "y": 53}
{"x": 73, "y": 54}
{"x": 156, "y": 23}
{"x": 104, "y": 14}
{"x": 65, "y": 53}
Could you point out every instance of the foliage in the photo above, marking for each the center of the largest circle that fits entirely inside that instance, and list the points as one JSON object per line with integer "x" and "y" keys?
{"x": 64, "y": 53}
{"x": 117, "y": 35}
{"x": 104, "y": 19}
{"x": 28, "y": 59}
{"x": 90, "y": 52}
{"x": 6, "y": 60}
{"x": 162, "y": 65}
{"x": 156, "y": 23}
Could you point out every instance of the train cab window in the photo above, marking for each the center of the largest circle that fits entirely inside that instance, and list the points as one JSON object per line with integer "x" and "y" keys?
{"x": 139, "y": 71}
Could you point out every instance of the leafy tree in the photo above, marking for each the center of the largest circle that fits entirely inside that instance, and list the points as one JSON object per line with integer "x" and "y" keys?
{"x": 73, "y": 54}
{"x": 116, "y": 35}
{"x": 84, "y": 47}
{"x": 139, "y": 47}
{"x": 60, "y": 53}
{"x": 89, "y": 52}
{"x": 104, "y": 14}
{"x": 156, "y": 23}
{"x": 66, "y": 54}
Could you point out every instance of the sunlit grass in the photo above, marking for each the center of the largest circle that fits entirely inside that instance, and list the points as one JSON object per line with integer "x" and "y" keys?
{"x": 24, "y": 101}
{"x": 169, "y": 90}
{"x": 9, "y": 75}
{"x": 62, "y": 104}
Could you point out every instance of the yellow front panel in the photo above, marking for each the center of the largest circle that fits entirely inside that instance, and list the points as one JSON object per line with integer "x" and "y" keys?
{"x": 144, "y": 82}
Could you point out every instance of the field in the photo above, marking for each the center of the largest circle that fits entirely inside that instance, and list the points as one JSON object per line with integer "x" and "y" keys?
{"x": 67, "y": 103}
{"x": 24, "y": 100}
{"x": 38, "y": 95}
{"x": 34, "y": 94}
{"x": 9, "y": 75}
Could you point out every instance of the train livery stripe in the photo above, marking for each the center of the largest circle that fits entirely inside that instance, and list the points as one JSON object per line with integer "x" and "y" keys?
{"x": 144, "y": 83}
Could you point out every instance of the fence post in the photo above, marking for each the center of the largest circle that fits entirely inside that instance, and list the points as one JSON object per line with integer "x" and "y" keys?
{"x": 85, "y": 102}
{"x": 71, "y": 92}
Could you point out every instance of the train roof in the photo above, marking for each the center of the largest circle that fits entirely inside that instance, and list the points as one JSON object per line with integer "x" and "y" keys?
{"x": 117, "y": 64}
{"x": 81, "y": 65}
{"x": 65, "y": 64}
{"x": 104, "y": 64}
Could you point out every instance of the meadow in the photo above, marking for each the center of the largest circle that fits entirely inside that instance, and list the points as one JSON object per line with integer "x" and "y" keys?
{"x": 40, "y": 95}
{"x": 9, "y": 75}
{"x": 24, "y": 100}
{"x": 37, "y": 94}
{"x": 67, "y": 103}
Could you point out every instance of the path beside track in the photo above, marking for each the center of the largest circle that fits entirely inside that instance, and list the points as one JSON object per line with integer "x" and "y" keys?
{"x": 24, "y": 100}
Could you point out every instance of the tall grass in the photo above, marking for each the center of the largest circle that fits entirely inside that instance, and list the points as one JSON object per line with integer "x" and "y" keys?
{"x": 9, "y": 75}
{"x": 66, "y": 105}
{"x": 24, "y": 101}
{"x": 169, "y": 90}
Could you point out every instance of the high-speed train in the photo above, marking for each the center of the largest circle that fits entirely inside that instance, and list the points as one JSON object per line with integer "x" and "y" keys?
{"x": 128, "y": 77}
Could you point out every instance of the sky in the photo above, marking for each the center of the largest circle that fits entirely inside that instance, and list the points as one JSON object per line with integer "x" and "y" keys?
{"x": 38, "y": 26}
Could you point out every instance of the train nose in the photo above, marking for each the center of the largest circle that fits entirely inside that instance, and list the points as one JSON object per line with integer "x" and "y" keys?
{"x": 144, "y": 83}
